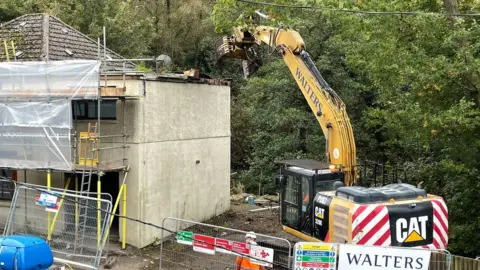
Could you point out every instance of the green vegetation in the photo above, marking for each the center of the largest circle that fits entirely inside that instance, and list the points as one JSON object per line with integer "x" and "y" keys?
{"x": 411, "y": 83}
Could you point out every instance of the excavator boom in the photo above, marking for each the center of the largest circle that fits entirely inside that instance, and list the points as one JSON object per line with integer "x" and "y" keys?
{"x": 327, "y": 106}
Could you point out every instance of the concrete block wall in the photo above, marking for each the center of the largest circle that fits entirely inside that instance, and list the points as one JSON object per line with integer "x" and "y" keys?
{"x": 179, "y": 153}
{"x": 183, "y": 156}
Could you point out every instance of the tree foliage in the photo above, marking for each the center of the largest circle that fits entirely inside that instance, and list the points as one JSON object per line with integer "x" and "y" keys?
{"x": 410, "y": 83}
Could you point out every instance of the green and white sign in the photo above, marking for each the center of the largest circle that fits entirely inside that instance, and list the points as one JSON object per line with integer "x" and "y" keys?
{"x": 185, "y": 238}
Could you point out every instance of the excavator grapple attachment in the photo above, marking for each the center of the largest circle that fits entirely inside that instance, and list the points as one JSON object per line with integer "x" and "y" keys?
{"x": 225, "y": 48}
{"x": 228, "y": 47}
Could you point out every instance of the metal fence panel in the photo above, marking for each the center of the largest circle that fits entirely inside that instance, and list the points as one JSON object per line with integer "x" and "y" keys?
{"x": 93, "y": 195}
{"x": 440, "y": 259}
{"x": 74, "y": 230}
{"x": 175, "y": 255}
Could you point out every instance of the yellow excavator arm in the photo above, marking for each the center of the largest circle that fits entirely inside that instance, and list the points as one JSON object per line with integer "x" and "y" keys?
{"x": 327, "y": 106}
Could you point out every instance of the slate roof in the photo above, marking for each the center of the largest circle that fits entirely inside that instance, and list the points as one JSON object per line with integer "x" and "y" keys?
{"x": 39, "y": 35}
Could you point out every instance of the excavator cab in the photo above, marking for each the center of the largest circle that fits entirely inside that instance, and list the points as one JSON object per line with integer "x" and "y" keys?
{"x": 299, "y": 182}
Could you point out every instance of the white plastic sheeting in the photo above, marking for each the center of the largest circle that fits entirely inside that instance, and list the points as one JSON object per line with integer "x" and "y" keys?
{"x": 73, "y": 79}
{"x": 36, "y": 111}
{"x": 55, "y": 114}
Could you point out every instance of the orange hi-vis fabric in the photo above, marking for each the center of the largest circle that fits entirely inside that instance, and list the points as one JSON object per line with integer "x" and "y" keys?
{"x": 245, "y": 264}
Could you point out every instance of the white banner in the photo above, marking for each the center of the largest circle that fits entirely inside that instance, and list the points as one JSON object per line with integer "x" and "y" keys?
{"x": 382, "y": 258}
{"x": 263, "y": 254}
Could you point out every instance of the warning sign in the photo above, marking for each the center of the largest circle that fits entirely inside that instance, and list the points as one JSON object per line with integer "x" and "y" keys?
{"x": 223, "y": 246}
{"x": 240, "y": 248}
{"x": 53, "y": 209}
{"x": 263, "y": 256}
{"x": 204, "y": 244}
{"x": 45, "y": 199}
{"x": 315, "y": 256}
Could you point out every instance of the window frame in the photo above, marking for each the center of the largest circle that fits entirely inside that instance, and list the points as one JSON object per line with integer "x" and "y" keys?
{"x": 85, "y": 104}
{"x": 7, "y": 189}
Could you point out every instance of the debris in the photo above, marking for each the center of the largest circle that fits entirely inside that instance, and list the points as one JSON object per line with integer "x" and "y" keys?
{"x": 260, "y": 201}
{"x": 263, "y": 209}
{"x": 236, "y": 197}
{"x": 272, "y": 198}
{"x": 110, "y": 262}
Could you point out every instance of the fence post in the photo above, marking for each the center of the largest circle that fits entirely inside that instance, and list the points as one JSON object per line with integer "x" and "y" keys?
{"x": 99, "y": 213}
{"x": 49, "y": 184}
{"x": 124, "y": 220}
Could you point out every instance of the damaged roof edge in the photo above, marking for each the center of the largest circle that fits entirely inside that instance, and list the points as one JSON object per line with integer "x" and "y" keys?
{"x": 173, "y": 78}
{"x": 191, "y": 80}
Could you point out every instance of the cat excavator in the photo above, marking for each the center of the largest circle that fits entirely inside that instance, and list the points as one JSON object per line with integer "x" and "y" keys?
{"x": 322, "y": 201}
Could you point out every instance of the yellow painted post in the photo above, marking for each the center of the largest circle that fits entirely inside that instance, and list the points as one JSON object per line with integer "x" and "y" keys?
{"x": 124, "y": 213}
{"x": 120, "y": 192}
{"x": 6, "y": 50}
{"x": 76, "y": 207}
{"x": 49, "y": 183}
{"x": 99, "y": 214}
{"x": 52, "y": 226}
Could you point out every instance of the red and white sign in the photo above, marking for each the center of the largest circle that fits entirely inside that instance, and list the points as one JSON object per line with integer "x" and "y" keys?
{"x": 263, "y": 254}
{"x": 223, "y": 246}
{"x": 204, "y": 244}
{"x": 240, "y": 248}
{"x": 53, "y": 209}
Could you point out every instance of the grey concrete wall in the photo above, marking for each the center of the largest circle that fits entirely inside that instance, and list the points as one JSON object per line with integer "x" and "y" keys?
{"x": 177, "y": 125}
{"x": 171, "y": 128}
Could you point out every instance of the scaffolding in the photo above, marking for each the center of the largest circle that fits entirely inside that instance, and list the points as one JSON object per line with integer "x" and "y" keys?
{"x": 36, "y": 115}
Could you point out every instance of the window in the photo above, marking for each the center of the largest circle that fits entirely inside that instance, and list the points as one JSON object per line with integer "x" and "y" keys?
{"x": 88, "y": 110}
{"x": 291, "y": 191}
{"x": 325, "y": 185}
{"x": 7, "y": 188}
{"x": 291, "y": 200}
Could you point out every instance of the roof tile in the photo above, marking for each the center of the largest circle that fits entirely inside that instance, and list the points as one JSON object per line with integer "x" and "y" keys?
{"x": 28, "y": 33}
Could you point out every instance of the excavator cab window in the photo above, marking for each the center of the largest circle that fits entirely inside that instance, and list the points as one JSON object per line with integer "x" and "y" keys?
{"x": 299, "y": 184}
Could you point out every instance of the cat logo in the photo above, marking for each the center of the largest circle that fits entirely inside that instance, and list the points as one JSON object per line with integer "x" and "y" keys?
{"x": 411, "y": 230}
{"x": 319, "y": 212}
